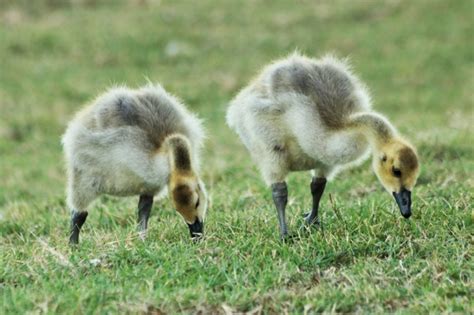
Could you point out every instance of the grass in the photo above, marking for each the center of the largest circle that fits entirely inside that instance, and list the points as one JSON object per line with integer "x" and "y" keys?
{"x": 417, "y": 58}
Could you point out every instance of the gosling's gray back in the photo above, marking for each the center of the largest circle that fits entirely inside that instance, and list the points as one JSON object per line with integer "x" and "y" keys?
{"x": 150, "y": 109}
{"x": 328, "y": 83}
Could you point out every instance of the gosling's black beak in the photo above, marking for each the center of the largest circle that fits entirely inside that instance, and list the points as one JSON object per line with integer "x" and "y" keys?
{"x": 196, "y": 229}
{"x": 403, "y": 199}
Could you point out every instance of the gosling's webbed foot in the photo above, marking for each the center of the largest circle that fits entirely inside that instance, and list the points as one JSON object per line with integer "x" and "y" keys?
{"x": 310, "y": 223}
{"x": 288, "y": 238}
{"x": 310, "y": 220}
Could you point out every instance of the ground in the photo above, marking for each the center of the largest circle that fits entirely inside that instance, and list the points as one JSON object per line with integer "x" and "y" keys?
{"x": 417, "y": 59}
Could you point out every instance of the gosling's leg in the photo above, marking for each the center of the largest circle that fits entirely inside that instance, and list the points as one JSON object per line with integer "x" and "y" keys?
{"x": 77, "y": 220}
{"x": 280, "y": 198}
{"x": 144, "y": 208}
{"x": 317, "y": 189}
{"x": 80, "y": 193}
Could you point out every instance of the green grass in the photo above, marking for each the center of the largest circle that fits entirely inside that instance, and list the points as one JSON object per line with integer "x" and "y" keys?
{"x": 417, "y": 58}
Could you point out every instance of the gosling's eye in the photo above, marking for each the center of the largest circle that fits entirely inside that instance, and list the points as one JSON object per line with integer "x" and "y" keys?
{"x": 396, "y": 172}
{"x": 197, "y": 203}
{"x": 384, "y": 158}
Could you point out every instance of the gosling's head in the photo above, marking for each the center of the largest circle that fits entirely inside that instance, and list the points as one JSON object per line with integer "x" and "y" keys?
{"x": 396, "y": 165}
{"x": 190, "y": 199}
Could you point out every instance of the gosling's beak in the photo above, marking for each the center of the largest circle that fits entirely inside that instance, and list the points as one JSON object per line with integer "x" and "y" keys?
{"x": 196, "y": 229}
{"x": 403, "y": 199}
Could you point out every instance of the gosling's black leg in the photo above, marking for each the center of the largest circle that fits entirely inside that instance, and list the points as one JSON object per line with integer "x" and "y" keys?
{"x": 77, "y": 220}
{"x": 144, "y": 208}
{"x": 317, "y": 189}
{"x": 280, "y": 198}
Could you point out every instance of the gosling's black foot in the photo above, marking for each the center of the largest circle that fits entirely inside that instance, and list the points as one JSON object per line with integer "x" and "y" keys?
{"x": 288, "y": 238}
{"x": 310, "y": 220}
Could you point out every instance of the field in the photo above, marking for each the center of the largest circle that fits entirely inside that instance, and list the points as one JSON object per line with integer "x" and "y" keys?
{"x": 417, "y": 57}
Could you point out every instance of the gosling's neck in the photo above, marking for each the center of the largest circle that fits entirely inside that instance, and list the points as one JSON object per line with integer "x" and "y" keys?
{"x": 378, "y": 130}
{"x": 179, "y": 155}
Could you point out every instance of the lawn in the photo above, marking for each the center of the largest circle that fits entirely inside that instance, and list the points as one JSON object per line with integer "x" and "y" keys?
{"x": 417, "y": 57}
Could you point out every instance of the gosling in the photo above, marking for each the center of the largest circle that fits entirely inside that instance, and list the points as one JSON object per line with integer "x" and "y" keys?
{"x": 135, "y": 142}
{"x": 304, "y": 114}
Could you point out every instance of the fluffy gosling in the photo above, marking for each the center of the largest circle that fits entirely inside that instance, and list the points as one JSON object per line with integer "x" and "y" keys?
{"x": 314, "y": 114}
{"x": 135, "y": 142}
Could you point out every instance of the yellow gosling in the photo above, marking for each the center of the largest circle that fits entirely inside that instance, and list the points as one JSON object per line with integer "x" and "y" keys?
{"x": 303, "y": 114}
{"x": 135, "y": 142}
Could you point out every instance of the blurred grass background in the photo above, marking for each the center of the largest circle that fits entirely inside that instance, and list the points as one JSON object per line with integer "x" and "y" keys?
{"x": 417, "y": 59}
